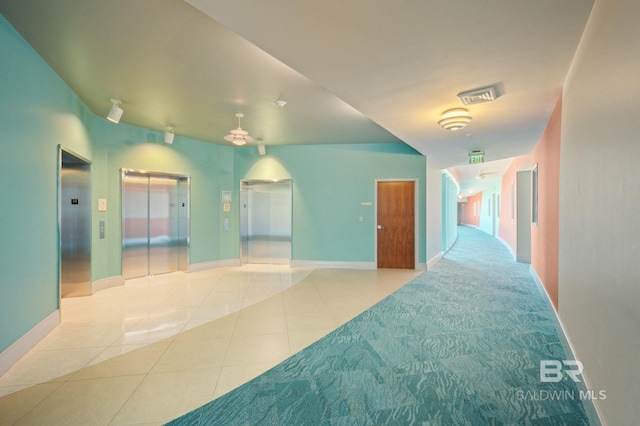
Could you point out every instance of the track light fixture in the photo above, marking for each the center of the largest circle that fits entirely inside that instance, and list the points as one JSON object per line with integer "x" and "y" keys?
{"x": 116, "y": 112}
{"x": 238, "y": 136}
{"x": 169, "y": 135}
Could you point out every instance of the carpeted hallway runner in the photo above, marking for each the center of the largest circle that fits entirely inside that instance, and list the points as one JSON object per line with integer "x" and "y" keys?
{"x": 459, "y": 345}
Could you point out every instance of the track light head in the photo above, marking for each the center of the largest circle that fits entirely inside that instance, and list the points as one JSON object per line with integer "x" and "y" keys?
{"x": 116, "y": 112}
{"x": 169, "y": 134}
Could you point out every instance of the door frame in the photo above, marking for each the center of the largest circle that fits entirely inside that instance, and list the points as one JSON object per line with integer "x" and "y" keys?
{"x": 123, "y": 174}
{"x": 244, "y": 255}
{"x": 61, "y": 150}
{"x": 416, "y": 209}
{"x": 523, "y": 215}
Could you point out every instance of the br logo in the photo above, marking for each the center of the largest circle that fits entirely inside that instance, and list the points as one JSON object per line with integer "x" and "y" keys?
{"x": 554, "y": 371}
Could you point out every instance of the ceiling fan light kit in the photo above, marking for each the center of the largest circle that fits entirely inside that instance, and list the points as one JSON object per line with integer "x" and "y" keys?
{"x": 238, "y": 136}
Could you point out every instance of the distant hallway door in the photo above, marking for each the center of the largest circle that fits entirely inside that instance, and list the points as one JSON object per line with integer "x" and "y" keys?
{"x": 396, "y": 224}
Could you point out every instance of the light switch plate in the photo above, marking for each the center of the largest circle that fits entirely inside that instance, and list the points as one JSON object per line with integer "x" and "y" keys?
{"x": 102, "y": 204}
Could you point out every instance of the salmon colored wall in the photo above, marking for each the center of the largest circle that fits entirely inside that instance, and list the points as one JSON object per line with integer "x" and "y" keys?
{"x": 508, "y": 226}
{"x": 545, "y": 236}
{"x": 467, "y": 216}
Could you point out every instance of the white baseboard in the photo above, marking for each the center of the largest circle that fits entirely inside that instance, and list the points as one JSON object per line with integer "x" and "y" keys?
{"x": 24, "y": 344}
{"x": 108, "y": 282}
{"x": 523, "y": 259}
{"x": 434, "y": 260}
{"x": 504, "y": 243}
{"x": 203, "y": 266}
{"x": 422, "y": 266}
{"x": 596, "y": 412}
{"x": 332, "y": 264}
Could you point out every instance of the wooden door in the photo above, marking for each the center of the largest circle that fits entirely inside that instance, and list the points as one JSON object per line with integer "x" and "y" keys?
{"x": 396, "y": 225}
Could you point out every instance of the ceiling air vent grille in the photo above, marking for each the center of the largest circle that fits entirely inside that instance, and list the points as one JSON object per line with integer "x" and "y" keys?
{"x": 486, "y": 94}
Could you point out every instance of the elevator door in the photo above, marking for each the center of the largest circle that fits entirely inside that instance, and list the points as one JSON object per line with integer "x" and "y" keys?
{"x": 75, "y": 226}
{"x": 155, "y": 223}
{"x": 265, "y": 221}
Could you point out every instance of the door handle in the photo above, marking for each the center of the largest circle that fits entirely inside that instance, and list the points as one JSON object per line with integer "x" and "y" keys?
{"x": 380, "y": 227}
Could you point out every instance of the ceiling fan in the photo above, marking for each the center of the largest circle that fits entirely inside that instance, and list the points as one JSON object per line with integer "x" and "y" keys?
{"x": 482, "y": 174}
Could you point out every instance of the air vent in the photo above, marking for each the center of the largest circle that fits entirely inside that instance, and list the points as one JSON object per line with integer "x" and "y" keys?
{"x": 478, "y": 96}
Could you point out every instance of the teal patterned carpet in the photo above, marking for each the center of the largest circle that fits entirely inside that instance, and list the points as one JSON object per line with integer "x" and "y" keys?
{"x": 459, "y": 345}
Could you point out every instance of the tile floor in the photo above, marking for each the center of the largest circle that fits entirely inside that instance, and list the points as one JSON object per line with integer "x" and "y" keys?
{"x": 158, "y": 347}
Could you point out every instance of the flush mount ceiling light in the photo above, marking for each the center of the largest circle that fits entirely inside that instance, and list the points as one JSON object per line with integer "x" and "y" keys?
{"x": 455, "y": 119}
{"x": 116, "y": 112}
{"x": 169, "y": 135}
{"x": 238, "y": 136}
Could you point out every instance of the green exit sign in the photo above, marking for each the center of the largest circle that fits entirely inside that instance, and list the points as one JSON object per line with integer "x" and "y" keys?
{"x": 476, "y": 157}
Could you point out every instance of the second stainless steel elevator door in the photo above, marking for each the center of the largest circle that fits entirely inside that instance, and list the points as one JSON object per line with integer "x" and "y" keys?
{"x": 155, "y": 223}
{"x": 266, "y": 221}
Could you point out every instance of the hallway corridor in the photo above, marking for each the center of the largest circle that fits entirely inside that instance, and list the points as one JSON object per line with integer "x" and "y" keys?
{"x": 459, "y": 345}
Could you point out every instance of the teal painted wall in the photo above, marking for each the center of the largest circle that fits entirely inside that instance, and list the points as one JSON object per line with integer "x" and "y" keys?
{"x": 329, "y": 183}
{"x": 434, "y": 212}
{"x": 489, "y": 211}
{"x": 209, "y": 166}
{"x": 449, "y": 212}
{"x": 38, "y": 112}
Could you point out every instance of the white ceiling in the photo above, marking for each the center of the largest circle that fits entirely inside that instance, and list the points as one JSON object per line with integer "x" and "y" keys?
{"x": 355, "y": 71}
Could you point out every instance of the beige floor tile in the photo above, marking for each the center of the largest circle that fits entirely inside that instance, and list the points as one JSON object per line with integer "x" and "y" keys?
{"x": 48, "y": 365}
{"x": 18, "y": 404}
{"x": 223, "y": 296}
{"x": 187, "y": 355}
{"x": 86, "y": 337}
{"x": 252, "y": 325}
{"x": 85, "y": 402}
{"x": 162, "y": 397}
{"x": 257, "y": 349}
{"x": 270, "y": 306}
{"x": 299, "y": 340}
{"x": 297, "y": 322}
{"x": 136, "y": 362}
{"x": 114, "y": 351}
{"x": 299, "y": 305}
{"x": 222, "y": 327}
{"x": 233, "y": 376}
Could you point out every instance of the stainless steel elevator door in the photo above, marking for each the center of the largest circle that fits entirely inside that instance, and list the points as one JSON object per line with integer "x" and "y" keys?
{"x": 266, "y": 222}
{"x": 155, "y": 223}
{"x": 135, "y": 225}
{"x": 75, "y": 226}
